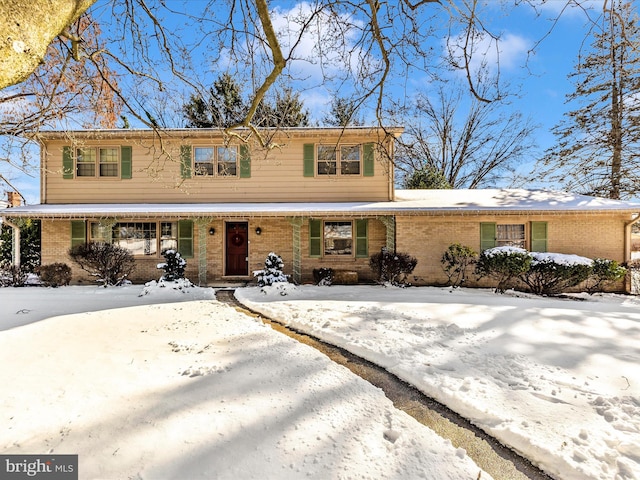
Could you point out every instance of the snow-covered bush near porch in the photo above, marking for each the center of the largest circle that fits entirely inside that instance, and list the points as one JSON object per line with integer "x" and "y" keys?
{"x": 174, "y": 265}
{"x": 272, "y": 271}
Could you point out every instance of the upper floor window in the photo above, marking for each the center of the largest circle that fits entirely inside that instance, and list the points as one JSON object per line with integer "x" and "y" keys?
{"x": 219, "y": 161}
{"x": 97, "y": 162}
{"x": 339, "y": 160}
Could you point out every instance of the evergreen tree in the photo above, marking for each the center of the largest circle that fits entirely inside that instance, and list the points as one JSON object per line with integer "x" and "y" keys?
{"x": 223, "y": 108}
{"x": 426, "y": 178}
{"x": 29, "y": 244}
{"x": 598, "y": 149}
{"x": 343, "y": 113}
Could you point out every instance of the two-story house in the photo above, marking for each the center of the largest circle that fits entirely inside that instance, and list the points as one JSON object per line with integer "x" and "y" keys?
{"x": 318, "y": 197}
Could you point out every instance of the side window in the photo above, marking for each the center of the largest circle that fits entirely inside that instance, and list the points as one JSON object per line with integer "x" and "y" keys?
{"x": 510, "y": 235}
{"x": 203, "y": 161}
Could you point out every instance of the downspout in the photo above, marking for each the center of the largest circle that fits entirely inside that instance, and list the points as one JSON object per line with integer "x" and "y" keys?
{"x": 15, "y": 254}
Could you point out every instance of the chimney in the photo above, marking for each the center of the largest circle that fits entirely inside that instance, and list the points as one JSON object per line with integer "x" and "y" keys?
{"x": 15, "y": 199}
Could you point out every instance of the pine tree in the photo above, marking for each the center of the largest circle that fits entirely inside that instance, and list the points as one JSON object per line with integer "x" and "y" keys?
{"x": 223, "y": 107}
{"x": 343, "y": 113}
{"x": 598, "y": 149}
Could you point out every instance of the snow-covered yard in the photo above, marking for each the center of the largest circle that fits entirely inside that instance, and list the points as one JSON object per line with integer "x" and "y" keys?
{"x": 186, "y": 387}
{"x": 556, "y": 379}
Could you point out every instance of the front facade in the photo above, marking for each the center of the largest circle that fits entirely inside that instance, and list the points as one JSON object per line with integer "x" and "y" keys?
{"x": 318, "y": 197}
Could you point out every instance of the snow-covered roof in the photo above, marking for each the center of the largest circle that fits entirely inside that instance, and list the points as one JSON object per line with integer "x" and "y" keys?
{"x": 409, "y": 202}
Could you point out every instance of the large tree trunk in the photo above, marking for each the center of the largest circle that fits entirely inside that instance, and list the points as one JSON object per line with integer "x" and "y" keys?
{"x": 28, "y": 27}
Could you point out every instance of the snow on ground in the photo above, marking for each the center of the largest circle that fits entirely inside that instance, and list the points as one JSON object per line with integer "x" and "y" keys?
{"x": 193, "y": 389}
{"x": 556, "y": 379}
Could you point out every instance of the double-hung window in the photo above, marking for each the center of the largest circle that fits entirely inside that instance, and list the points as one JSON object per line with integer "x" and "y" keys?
{"x": 97, "y": 161}
{"x": 510, "y": 235}
{"x": 215, "y": 161}
{"x": 339, "y": 160}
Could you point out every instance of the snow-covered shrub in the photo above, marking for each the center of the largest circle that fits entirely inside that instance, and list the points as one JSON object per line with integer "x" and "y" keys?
{"x": 392, "y": 267}
{"x": 272, "y": 272}
{"x": 504, "y": 264}
{"x": 456, "y": 261}
{"x": 109, "y": 263}
{"x": 604, "y": 272}
{"x": 55, "y": 274}
{"x": 323, "y": 276}
{"x": 553, "y": 273}
{"x": 174, "y": 265}
{"x": 12, "y": 276}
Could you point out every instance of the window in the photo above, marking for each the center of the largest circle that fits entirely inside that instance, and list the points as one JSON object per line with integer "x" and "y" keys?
{"x": 333, "y": 238}
{"x": 93, "y": 160}
{"x": 510, "y": 235}
{"x": 338, "y": 238}
{"x": 140, "y": 238}
{"x": 342, "y": 160}
{"x": 532, "y": 236}
{"x": 220, "y": 161}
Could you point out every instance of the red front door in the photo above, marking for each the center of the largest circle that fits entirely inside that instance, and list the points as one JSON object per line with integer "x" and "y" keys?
{"x": 237, "y": 249}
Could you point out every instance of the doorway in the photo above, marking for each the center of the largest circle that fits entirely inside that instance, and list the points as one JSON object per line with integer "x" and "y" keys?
{"x": 237, "y": 247}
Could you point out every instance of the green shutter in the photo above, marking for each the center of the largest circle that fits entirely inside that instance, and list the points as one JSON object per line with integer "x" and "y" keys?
{"x": 308, "y": 156}
{"x": 362, "y": 243}
{"x": 245, "y": 162}
{"x": 185, "y": 161}
{"x": 67, "y": 162}
{"x": 538, "y": 236}
{"x": 78, "y": 232}
{"x": 487, "y": 235}
{"x": 185, "y": 238}
{"x": 367, "y": 169}
{"x": 315, "y": 238}
{"x": 125, "y": 162}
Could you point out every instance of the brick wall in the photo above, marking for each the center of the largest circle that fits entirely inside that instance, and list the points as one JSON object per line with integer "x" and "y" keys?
{"x": 427, "y": 238}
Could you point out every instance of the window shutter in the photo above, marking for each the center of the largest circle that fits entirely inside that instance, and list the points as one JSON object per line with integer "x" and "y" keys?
{"x": 245, "y": 162}
{"x": 362, "y": 243}
{"x": 368, "y": 162}
{"x": 125, "y": 162}
{"x": 487, "y": 235}
{"x": 315, "y": 238}
{"x": 538, "y": 236}
{"x": 185, "y": 161}
{"x": 78, "y": 232}
{"x": 67, "y": 162}
{"x": 308, "y": 159}
{"x": 185, "y": 238}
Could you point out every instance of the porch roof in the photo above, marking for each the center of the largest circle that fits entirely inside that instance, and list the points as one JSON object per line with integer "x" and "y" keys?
{"x": 407, "y": 202}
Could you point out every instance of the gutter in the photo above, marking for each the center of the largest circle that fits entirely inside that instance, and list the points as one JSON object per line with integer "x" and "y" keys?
{"x": 16, "y": 242}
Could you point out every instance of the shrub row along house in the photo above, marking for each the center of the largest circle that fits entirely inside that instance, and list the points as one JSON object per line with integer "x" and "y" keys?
{"x": 318, "y": 197}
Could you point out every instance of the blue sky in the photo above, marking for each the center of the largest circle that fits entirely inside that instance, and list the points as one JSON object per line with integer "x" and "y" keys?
{"x": 541, "y": 75}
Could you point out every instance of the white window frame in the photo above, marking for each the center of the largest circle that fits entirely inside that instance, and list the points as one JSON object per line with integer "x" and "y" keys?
{"x": 166, "y": 236}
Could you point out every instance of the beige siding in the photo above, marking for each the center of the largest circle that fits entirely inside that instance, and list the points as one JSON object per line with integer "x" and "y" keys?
{"x": 427, "y": 238}
{"x": 276, "y": 176}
